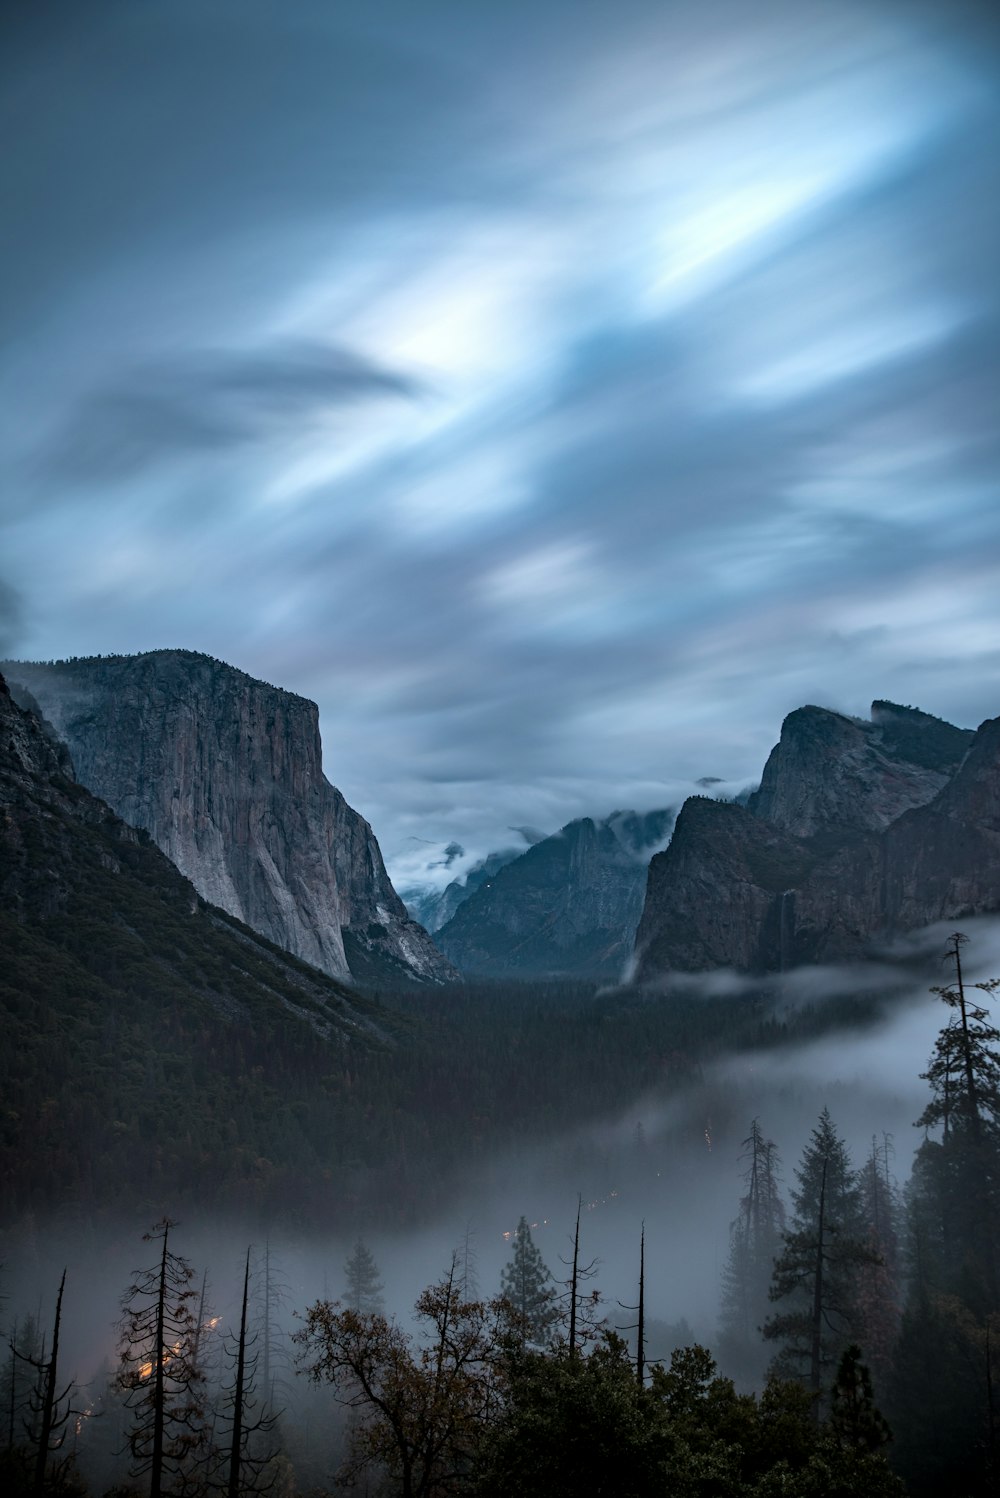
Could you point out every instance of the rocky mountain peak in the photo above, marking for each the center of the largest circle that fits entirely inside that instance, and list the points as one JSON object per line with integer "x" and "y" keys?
{"x": 861, "y": 830}
{"x": 225, "y": 773}
{"x": 567, "y": 905}
{"x": 834, "y": 776}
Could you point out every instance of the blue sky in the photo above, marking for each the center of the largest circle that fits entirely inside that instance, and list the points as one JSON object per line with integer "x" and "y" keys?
{"x": 557, "y": 393}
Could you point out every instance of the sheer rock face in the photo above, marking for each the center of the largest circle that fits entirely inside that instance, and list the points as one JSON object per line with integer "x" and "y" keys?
{"x": 833, "y": 775}
{"x": 225, "y": 774}
{"x": 566, "y": 906}
{"x": 716, "y": 896}
{"x": 859, "y": 832}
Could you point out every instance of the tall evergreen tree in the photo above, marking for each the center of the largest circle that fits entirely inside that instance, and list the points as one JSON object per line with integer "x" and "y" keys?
{"x": 468, "y": 1264}
{"x": 878, "y": 1291}
{"x": 961, "y": 1179}
{"x": 816, "y": 1274}
{"x": 755, "y": 1240}
{"x": 363, "y": 1292}
{"x": 527, "y": 1284}
{"x": 945, "y": 1405}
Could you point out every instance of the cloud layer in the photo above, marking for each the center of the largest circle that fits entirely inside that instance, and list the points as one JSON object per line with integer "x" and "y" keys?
{"x": 557, "y": 396}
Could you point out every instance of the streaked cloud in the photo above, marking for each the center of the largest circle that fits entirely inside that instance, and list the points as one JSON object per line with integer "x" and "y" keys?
{"x": 559, "y": 396}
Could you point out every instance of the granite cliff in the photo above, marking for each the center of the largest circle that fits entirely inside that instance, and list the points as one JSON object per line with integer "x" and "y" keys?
{"x": 225, "y": 774}
{"x": 860, "y": 831}
{"x": 566, "y": 906}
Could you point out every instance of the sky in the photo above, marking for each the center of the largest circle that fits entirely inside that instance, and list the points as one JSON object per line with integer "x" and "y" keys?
{"x": 557, "y": 393}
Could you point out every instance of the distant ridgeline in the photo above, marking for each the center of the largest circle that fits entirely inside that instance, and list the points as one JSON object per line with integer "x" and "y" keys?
{"x": 568, "y": 906}
{"x": 860, "y": 830}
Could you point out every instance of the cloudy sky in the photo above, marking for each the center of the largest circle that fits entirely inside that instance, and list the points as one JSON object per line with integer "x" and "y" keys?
{"x": 558, "y": 393}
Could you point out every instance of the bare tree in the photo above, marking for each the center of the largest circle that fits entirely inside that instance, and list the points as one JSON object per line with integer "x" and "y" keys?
{"x": 247, "y": 1454}
{"x": 157, "y": 1370}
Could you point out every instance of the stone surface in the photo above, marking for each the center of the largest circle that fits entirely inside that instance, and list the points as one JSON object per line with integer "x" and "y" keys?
{"x": 225, "y": 773}
{"x": 834, "y": 776}
{"x": 567, "y": 906}
{"x": 859, "y": 833}
{"x": 102, "y": 903}
{"x": 715, "y": 896}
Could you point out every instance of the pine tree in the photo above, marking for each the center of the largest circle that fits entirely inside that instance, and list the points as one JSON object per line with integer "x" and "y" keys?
{"x": 960, "y": 1174}
{"x": 878, "y": 1291}
{"x": 755, "y": 1240}
{"x": 816, "y": 1275}
{"x": 944, "y": 1401}
{"x": 364, "y": 1289}
{"x": 468, "y": 1264}
{"x": 527, "y": 1284}
{"x": 854, "y": 1420}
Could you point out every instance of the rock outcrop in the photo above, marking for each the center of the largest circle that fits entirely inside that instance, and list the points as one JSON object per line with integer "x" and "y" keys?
{"x": 567, "y": 906}
{"x": 831, "y": 776}
{"x": 99, "y": 903}
{"x": 225, "y": 774}
{"x": 859, "y": 832}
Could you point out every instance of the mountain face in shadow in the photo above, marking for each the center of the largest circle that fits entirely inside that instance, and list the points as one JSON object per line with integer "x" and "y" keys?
{"x": 567, "y": 906}
{"x": 860, "y": 831}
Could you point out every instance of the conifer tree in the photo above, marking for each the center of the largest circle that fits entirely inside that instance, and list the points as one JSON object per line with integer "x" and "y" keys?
{"x": 816, "y": 1274}
{"x": 755, "y": 1240}
{"x": 960, "y": 1174}
{"x": 878, "y": 1291}
{"x": 363, "y": 1292}
{"x": 527, "y": 1284}
{"x": 944, "y": 1401}
{"x": 854, "y": 1419}
{"x": 25, "y": 1347}
{"x": 468, "y": 1264}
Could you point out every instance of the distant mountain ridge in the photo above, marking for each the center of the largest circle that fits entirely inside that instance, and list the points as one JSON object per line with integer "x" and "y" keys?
{"x": 860, "y": 831}
{"x": 568, "y": 905}
{"x": 225, "y": 773}
{"x": 434, "y": 908}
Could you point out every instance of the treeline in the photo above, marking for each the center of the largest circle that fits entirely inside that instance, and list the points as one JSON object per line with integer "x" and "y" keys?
{"x": 911, "y": 1277}
{"x": 530, "y": 1391}
{"x": 125, "y": 1065}
{"x": 859, "y": 1324}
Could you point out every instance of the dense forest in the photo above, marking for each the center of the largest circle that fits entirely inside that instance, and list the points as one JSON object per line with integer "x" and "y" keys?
{"x": 855, "y": 1350}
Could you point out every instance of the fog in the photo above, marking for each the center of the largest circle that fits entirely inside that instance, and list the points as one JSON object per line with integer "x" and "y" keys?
{"x": 668, "y": 1160}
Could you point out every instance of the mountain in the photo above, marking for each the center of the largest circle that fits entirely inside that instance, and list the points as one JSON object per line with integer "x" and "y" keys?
{"x": 566, "y": 906}
{"x": 860, "y": 831}
{"x": 139, "y": 1021}
{"x": 433, "y": 908}
{"x": 830, "y": 776}
{"x": 225, "y": 774}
